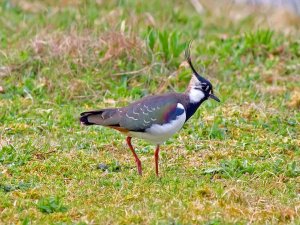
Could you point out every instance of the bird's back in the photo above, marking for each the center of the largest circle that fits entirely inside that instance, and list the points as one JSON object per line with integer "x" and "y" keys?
{"x": 139, "y": 115}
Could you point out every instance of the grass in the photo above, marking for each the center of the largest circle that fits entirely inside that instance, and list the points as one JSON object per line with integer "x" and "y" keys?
{"x": 233, "y": 163}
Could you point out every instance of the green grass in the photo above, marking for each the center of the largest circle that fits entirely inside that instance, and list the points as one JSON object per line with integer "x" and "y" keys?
{"x": 237, "y": 162}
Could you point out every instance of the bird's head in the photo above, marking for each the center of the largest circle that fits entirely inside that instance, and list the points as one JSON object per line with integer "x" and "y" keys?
{"x": 199, "y": 88}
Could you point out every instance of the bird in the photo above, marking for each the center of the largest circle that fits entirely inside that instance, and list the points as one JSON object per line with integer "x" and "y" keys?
{"x": 155, "y": 118}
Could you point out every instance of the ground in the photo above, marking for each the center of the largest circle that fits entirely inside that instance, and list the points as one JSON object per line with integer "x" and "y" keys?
{"x": 234, "y": 162}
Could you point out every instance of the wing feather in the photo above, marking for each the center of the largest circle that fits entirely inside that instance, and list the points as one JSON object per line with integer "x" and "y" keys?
{"x": 149, "y": 111}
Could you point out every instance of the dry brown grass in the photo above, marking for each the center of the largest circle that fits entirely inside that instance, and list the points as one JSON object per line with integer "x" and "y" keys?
{"x": 35, "y": 6}
{"x": 2, "y": 90}
{"x": 295, "y": 100}
{"x": 58, "y": 45}
{"x": 85, "y": 48}
{"x": 118, "y": 45}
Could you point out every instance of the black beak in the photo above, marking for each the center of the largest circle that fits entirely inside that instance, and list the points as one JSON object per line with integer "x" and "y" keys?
{"x": 214, "y": 97}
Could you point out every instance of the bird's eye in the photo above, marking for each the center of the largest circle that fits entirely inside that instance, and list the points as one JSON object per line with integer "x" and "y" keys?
{"x": 204, "y": 86}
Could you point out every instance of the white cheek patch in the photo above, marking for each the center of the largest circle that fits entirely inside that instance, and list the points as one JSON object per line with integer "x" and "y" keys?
{"x": 196, "y": 95}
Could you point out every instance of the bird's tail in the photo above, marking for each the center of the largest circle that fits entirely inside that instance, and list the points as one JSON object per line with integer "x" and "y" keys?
{"x": 104, "y": 117}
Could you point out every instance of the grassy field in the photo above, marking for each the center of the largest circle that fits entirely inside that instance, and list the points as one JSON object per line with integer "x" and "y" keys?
{"x": 237, "y": 162}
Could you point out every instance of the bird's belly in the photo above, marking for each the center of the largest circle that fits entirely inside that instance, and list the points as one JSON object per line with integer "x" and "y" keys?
{"x": 157, "y": 134}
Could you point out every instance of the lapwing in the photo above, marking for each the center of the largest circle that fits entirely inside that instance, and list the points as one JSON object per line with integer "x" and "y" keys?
{"x": 154, "y": 118}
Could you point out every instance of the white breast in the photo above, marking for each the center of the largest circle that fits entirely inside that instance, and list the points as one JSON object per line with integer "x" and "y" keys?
{"x": 157, "y": 134}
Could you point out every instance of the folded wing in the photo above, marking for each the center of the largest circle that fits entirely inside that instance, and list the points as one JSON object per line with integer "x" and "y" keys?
{"x": 150, "y": 111}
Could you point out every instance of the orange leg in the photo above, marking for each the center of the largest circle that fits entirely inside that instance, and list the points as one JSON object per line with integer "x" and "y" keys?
{"x": 137, "y": 160}
{"x": 156, "y": 159}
